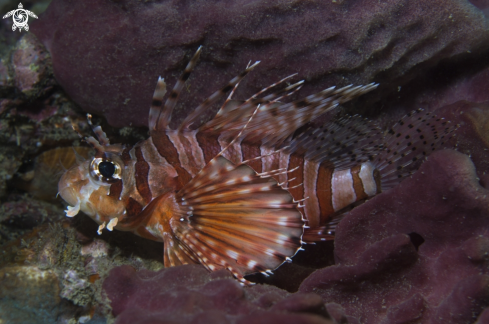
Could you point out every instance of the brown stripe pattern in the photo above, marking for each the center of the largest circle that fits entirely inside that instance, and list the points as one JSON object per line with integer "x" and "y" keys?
{"x": 251, "y": 152}
{"x": 209, "y": 144}
{"x": 141, "y": 169}
{"x": 167, "y": 150}
{"x": 133, "y": 208}
{"x": 351, "y": 185}
{"x": 321, "y": 190}
{"x": 324, "y": 194}
{"x": 190, "y": 155}
{"x": 311, "y": 205}
{"x": 358, "y": 187}
{"x": 296, "y": 162}
{"x": 116, "y": 189}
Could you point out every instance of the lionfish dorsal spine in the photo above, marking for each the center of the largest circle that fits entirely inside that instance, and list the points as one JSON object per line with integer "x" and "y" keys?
{"x": 159, "y": 118}
{"x": 212, "y": 99}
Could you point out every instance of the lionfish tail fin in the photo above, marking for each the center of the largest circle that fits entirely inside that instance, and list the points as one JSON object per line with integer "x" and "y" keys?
{"x": 408, "y": 143}
{"x": 275, "y": 120}
{"x": 232, "y": 218}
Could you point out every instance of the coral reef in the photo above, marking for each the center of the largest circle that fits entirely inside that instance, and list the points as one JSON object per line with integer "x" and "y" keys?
{"x": 35, "y": 115}
{"x": 31, "y": 66}
{"x": 34, "y": 277}
{"x": 418, "y": 253}
{"x": 111, "y": 68}
{"x": 10, "y": 161}
{"x": 71, "y": 262}
{"x": 190, "y": 294}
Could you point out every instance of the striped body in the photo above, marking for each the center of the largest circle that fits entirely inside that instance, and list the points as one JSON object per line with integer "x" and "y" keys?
{"x": 324, "y": 190}
{"x": 243, "y": 192}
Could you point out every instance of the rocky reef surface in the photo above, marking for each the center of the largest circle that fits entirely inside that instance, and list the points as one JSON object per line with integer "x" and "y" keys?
{"x": 418, "y": 253}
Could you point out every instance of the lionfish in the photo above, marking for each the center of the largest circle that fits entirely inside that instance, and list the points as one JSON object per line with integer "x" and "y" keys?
{"x": 247, "y": 189}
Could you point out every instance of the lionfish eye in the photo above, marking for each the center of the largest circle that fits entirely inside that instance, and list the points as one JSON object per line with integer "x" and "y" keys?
{"x": 106, "y": 170}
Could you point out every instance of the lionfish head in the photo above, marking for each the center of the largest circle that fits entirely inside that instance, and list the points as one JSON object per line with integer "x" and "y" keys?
{"x": 90, "y": 184}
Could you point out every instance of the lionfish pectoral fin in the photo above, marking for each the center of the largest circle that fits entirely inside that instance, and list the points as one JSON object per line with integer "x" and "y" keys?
{"x": 231, "y": 218}
{"x": 175, "y": 253}
{"x": 322, "y": 233}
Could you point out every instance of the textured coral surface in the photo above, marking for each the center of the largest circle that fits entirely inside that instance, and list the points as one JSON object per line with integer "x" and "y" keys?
{"x": 108, "y": 55}
{"x": 190, "y": 294}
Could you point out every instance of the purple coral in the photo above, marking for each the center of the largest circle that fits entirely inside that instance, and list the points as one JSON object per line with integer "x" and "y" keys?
{"x": 190, "y": 294}
{"x": 108, "y": 55}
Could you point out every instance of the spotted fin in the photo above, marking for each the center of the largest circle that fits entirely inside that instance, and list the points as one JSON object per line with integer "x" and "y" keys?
{"x": 232, "y": 218}
{"x": 408, "y": 143}
{"x": 341, "y": 144}
{"x": 394, "y": 154}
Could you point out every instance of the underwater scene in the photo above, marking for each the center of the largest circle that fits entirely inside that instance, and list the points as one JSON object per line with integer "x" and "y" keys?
{"x": 279, "y": 161}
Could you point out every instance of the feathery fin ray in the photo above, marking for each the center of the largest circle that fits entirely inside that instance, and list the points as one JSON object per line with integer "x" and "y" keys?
{"x": 228, "y": 217}
{"x": 276, "y": 121}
